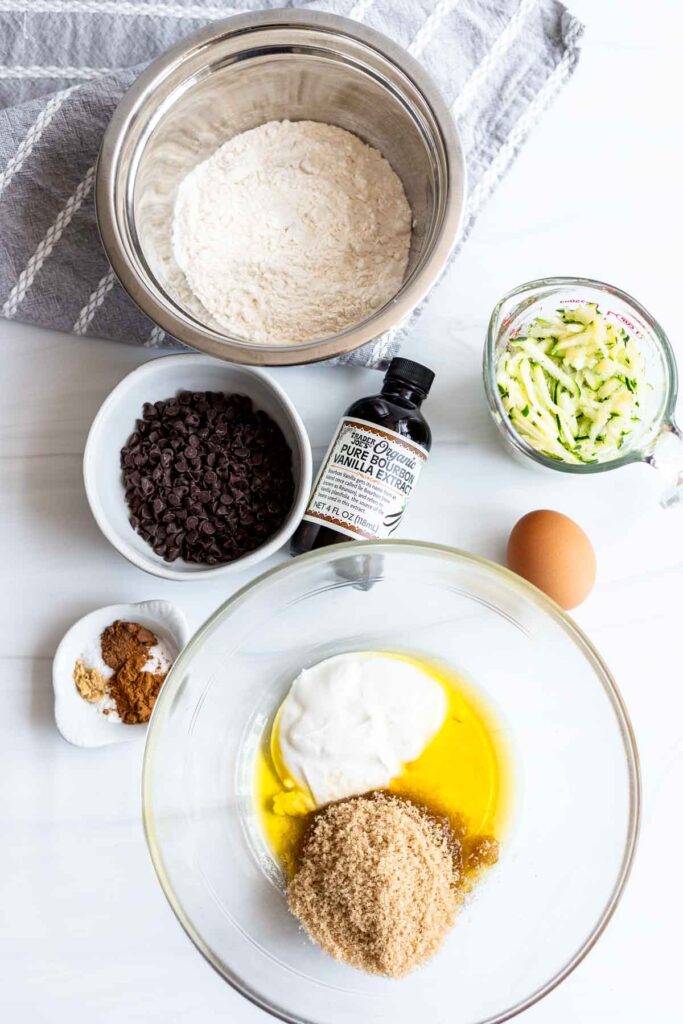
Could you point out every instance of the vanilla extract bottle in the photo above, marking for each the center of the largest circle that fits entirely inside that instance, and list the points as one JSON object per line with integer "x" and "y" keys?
{"x": 372, "y": 465}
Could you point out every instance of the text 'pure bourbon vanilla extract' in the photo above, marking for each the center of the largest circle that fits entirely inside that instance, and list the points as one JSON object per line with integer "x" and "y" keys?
{"x": 372, "y": 465}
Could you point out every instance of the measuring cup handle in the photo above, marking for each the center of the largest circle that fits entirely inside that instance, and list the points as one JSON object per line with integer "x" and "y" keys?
{"x": 667, "y": 458}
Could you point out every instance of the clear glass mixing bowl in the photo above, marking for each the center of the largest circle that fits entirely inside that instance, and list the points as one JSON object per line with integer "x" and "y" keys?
{"x": 659, "y": 441}
{"x": 573, "y": 824}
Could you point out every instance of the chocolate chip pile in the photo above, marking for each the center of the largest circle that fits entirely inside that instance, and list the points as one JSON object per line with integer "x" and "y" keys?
{"x": 207, "y": 477}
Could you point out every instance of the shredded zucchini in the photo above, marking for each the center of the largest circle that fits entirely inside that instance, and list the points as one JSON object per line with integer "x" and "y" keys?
{"x": 571, "y": 385}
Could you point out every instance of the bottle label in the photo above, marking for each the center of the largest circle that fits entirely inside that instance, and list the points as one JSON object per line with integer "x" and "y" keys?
{"x": 365, "y": 481}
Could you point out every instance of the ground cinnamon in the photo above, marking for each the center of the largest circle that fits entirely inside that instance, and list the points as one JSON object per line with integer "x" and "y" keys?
{"x": 125, "y": 648}
{"x": 135, "y": 691}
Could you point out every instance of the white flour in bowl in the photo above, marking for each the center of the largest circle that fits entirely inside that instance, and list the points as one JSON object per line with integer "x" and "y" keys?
{"x": 292, "y": 231}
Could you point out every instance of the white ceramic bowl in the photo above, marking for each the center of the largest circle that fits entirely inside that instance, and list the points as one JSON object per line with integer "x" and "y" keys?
{"x": 115, "y": 422}
{"x": 81, "y": 723}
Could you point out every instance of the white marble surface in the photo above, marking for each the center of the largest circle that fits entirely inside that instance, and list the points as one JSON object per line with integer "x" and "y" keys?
{"x": 85, "y": 932}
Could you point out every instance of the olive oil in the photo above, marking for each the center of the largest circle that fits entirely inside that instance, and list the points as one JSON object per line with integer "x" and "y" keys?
{"x": 462, "y": 774}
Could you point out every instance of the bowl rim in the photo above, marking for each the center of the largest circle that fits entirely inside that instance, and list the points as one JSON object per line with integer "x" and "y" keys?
{"x": 537, "y": 597}
{"x": 386, "y": 319}
{"x": 144, "y": 562}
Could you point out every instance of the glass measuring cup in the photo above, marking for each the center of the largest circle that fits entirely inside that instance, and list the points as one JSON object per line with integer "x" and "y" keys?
{"x": 658, "y": 440}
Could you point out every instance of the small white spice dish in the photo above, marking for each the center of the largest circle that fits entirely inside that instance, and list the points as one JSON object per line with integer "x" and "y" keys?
{"x": 80, "y": 722}
{"x": 115, "y": 422}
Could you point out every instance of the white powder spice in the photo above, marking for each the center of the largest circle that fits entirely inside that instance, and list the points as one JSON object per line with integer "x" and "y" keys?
{"x": 91, "y": 656}
{"x": 292, "y": 231}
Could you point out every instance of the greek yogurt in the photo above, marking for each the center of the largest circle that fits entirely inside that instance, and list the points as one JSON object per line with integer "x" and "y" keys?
{"x": 350, "y": 723}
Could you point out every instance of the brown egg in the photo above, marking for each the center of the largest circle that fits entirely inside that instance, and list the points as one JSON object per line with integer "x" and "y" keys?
{"x": 552, "y": 552}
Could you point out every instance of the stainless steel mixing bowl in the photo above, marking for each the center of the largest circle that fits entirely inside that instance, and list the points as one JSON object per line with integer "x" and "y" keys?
{"x": 235, "y": 75}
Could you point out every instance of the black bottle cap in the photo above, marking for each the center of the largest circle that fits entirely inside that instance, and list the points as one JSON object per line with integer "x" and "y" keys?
{"x": 410, "y": 373}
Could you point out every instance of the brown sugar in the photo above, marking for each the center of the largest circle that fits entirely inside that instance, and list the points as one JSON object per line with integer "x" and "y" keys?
{"x": 377, "y": 883}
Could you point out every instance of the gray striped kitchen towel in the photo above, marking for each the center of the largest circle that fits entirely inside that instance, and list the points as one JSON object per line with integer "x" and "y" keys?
{"x": 64, "y": 65}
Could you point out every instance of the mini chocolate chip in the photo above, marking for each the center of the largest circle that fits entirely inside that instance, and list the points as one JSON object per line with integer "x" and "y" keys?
{"x": 206, "y": 477}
